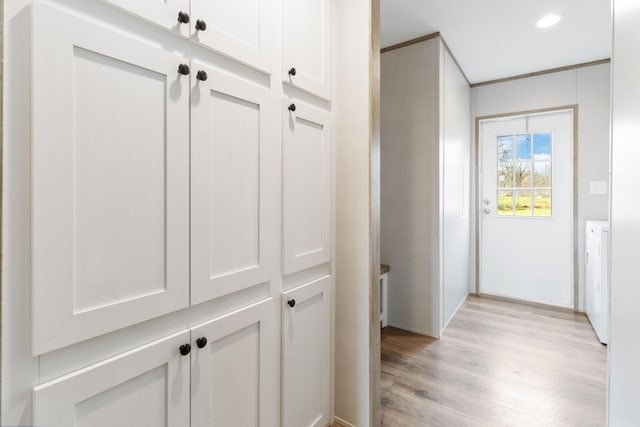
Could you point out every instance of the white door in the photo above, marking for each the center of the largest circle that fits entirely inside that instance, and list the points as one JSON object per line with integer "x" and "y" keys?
{"x": 306, "y": 322}
{"x": 245, "y": 30}
{"x": 234, "y": 371}
{"x": 171, "y": 14}
{"x": 146, "y": 387}
{"x": 306, "y": 45}
{"x": 306, "y": 175}
{"x": 234, "y": 184}
{"x": 110, "y": 180}
{"x": 526, "y": 199}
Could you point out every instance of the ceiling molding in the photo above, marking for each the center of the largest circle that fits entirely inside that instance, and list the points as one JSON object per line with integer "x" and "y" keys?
{"x": 410, "y": 42}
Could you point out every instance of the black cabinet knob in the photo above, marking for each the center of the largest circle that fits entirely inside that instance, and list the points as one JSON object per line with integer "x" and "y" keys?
{"x": 292, "y": 303}
{"x": 183, "y": 17}
{"x": 201, "y": 25}
{"x": 201, "y": 342}
{"x": 183, "y": 69}
{"x": 202, "y": 75}
{"x": 185, "y": 349}
{"x": 292, "y": 107}
{"x": 292, "y": 71}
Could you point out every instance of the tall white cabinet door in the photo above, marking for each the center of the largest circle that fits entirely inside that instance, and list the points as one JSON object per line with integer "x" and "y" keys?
{"x": 234, "y": 144}
{"x": 110, "y": 180}
{"x": 306, "y": 199}
{"x": 233, "y": 382}
{"x": 148, "y": 386}
{"x": 245, "y": 30}
{"x": 306, "y": 322}
{"x": 306, "y": 45}
{"x": 171, "y": 14}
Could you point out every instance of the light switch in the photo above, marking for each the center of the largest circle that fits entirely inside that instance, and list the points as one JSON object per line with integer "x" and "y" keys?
{"x": 598, "y": 187}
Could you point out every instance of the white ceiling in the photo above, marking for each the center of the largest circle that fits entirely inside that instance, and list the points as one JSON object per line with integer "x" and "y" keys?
{"x": 492, "y": 39}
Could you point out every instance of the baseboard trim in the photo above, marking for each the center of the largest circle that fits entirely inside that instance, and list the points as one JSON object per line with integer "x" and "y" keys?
{"x": 529, "y": 303}
{"x": 414, "y": 330}
{"x": 454, "y": 313}
{"x": 343, "y": 422}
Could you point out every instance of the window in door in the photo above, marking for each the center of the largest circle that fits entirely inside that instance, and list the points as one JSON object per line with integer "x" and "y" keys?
{"x": 524, "y": 175}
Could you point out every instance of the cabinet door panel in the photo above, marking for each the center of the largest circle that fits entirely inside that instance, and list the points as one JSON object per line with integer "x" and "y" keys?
{"x": 306, "y": 157}
{"x": 306, "y": 45}
{"x": 306, "y": 354}
{"x": 163, "y": 12}
{"x": 148, "y": 386}
{"x": 233, "y": 381}
{"x": 233, "y": 148}
{"x": 110, "y": 181}
{"x": 245, "y": 30}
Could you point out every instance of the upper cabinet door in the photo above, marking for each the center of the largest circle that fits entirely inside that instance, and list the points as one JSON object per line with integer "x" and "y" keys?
{"x": 306, "y": 364}
{"x": 306, "y": 198}
{"x": 306, "y": 45}
{"x": 171, "y": 14}
{"x": 235, "y": 369}
{"x": 110, "y": 180}
{"x": 148, "y": 386}
{"x": 234, "y": 184}
{"x": 244, "y": 30}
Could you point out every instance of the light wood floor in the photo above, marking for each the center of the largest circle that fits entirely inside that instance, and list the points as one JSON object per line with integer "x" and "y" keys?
{"x": 498, "y": 363}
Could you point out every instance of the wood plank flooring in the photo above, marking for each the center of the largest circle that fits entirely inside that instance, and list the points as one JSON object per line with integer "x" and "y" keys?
{"x": 498, "y": 363}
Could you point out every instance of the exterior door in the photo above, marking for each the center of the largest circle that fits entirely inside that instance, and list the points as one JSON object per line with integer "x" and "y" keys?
{"x": 146, "y": 387}
{"x": 526, "y": 199}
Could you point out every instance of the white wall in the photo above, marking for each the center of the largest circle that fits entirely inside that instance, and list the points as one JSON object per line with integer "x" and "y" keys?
{"x": 624, "y": 342}
{"x": 589, "y": 88}
{"x": 351, "y": 106}
{"x": 456, "y": 147}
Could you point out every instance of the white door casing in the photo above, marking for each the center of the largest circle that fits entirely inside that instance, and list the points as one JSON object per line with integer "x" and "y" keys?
{"x": 145, "y": 387}
{"x": 306, "y": 45}
{"x": 306, "y": 184}
{"x": 164, "y": 13}
{"x": 306, "y": 324}
{"x": 234, "y": 184}
{"x": 110, "y": 180}
{"x": 232, "y": 380}
{"x": 524, "y": 257}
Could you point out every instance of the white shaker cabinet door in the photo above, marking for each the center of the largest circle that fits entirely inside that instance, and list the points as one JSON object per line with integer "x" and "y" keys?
{"x": 306, "y": 45}
{"x": 146, "y": 387}
{"x": 234, "y": 369}
{"x": 171, "y": 14}
{"x": 234, "y": 184}
{"x": 306, "y": 323}
{"x": 109, "y": 182}
{"x": 244, "y": 30}
{"x": 307, "y": 186}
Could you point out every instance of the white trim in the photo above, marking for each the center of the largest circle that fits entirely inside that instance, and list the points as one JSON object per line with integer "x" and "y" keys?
{"x": 454, "y": 313}
{"x": 414, "y": 330}
{"x": 343, "y": 422}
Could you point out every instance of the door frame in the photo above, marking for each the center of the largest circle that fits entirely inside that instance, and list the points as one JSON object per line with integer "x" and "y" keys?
{"x": 574, "y": 187}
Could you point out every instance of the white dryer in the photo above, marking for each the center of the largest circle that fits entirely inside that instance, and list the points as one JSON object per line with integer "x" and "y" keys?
{"x": 597, "y": 277}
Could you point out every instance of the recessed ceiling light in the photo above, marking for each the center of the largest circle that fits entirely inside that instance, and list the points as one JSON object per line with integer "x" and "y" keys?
{"x": 548, "y": 21}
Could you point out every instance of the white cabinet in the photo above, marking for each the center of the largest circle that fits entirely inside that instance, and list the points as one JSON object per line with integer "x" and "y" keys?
{"x": 306, "y": 45}
{"x": 148, "y": 387}
{"x": 234, "y": 183}
{"x": 245, "y": 30}
{"x": 306, "y": 323}
{"x": 307, "y": 186}
{"x": 233, "y": 380}
{"x": 110, "y": 180}
{"x": 170, "y": 14}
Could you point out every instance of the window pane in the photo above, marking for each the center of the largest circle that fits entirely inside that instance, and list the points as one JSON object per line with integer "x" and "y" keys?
{"x": 505, "y": 202}
{"x": 523, "y": 203}
{"x": 542, "y": 174}
{"x": 523, "y": 147}
{"x": 542, "y": 146}
{"x": 522, "y": 173}
{"x": 505, "y": 175}
{"x": 542, "y": 203}
{"x": 505, "y": 148}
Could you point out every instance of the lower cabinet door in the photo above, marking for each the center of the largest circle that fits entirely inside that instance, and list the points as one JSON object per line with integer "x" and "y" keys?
{"x": 306, "y": 322}
{"x": 146, "y": 387}
{"x": 234, "y": 369}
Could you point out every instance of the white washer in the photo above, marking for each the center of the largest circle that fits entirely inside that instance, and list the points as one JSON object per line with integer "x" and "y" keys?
{"x": 597, "y": 277}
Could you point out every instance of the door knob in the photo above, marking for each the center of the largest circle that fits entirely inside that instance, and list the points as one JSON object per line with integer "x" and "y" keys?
{"x": 183, "y": 69}
{"x": 201, "y": 342}
{"x": 486, "y": 210}
{"x": 185, "y": 349}
{"x": 201, "y": 25}
{"x": 183, "y": 17}
{"x": 202, "y": 75}
{"x": 292, "y": 71}
{"x": 292, "y": 303}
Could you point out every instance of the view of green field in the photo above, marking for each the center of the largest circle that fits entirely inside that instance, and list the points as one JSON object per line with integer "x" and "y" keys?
{"x": 541, "y": 205}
